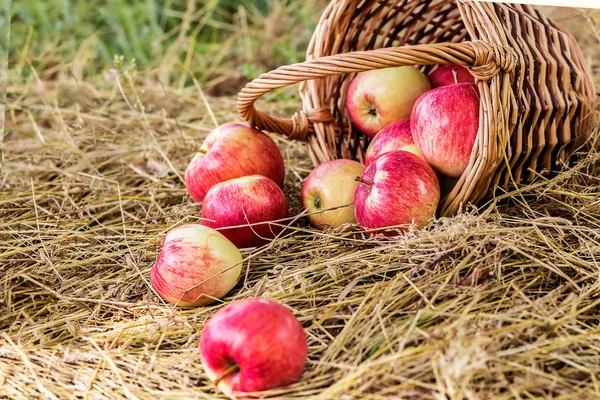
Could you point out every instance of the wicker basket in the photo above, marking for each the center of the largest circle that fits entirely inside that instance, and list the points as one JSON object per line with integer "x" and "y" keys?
{"x": 537, "y": 93}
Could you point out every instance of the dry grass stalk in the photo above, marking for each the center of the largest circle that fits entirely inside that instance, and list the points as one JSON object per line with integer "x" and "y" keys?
{"x": 497, "y": 302}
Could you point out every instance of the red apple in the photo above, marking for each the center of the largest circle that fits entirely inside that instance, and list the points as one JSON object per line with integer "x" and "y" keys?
{"x": 251, "y": 346}
{"x": 331, "y": 186}
{"x": 397, "y": 189}
{"x": 377, "y": 98}
{"x": 444, "y": 76}
{"x": 444, "y": 125}
{"x": 196, "y": 265}
{"x": 231, "y": 151}
{"x": 395, "y": 136}
{"x": 248, "y": 204}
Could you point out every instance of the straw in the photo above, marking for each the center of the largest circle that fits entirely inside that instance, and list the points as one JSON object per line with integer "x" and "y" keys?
{"x": 499, "y": 301}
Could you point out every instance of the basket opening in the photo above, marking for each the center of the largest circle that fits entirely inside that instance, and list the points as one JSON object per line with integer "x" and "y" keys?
{"x": 378, "y": 24}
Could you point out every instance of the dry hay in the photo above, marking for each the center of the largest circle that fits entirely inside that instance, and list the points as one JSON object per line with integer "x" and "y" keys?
{"x": 501, "y": 301}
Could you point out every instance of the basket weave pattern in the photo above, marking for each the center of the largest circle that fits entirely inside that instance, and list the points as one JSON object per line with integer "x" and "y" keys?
{"x": 537, "y": 95}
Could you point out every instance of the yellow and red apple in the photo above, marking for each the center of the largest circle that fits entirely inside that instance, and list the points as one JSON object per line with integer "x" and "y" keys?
{"x": 196, "y": 265}
{"x": 379, "y": 97}
{"x": 328, "y": 193}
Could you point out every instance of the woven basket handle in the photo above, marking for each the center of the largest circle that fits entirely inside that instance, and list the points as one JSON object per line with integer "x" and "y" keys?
{"x": 485, "y": 60}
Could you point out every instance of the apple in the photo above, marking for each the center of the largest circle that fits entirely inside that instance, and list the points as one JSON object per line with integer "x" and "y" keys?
{"x": 331, "y": 185}
{"x": 395, "y": 136}
{"x": 379, "y": 97}
{"x": 196, "y": 266}
{"x": 444, "y": 125}
{"x": 247, "y": 204}
{"x": 397, "y": 189}
{"x": 445, "y": 75}
{"x": 231, "y": 151}
{"x": 251, "y": 346}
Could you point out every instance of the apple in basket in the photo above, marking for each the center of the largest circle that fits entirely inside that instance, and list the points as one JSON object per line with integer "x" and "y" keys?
{"x": 444, "y": 125}
{"x": 449, "y": 75}
{"x": 331, "y": 186}
{"x": 247, "y": 204}
{"x": 396, "y": 190}
{"x": 395, "y": 136}
{"x": 251, "y": 346}
{"x": 379, "y": 97}
{"x": 231, "y": 151}
{"x": 196, "y": 266}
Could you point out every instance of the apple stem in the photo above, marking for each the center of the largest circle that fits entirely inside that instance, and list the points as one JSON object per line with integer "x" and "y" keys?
{"x": 361, "y": 180}
{"x": 372, "y": 110}
{"x": 455, "y": 72}
{"x": 229, "y": 371}
{"x": 202, "y": 151}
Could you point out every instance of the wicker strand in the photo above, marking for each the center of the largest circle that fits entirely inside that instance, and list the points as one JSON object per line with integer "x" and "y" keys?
{"x": 302, "y": 122}
{"x": 300, "y": 126}
{"x": 491, "y": 61}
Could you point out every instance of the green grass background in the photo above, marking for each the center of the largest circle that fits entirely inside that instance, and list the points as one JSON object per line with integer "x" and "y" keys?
{"x": 209, "y": 37}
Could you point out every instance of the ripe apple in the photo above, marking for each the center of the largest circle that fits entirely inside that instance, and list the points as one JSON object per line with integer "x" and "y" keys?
{"x": 196, "y": 265}
{"x": 445, "y": 75}
{"x": 231, "y": 151}
{"x": 379, "y": 97}
{"x": 395, "y": 136}
{"x": 444, "y": 125}
{"x": 248, "y": 204}
{"x": 397, "y": 189}
{"x": 331, "y": 186}
{"x": 251, "y": 346}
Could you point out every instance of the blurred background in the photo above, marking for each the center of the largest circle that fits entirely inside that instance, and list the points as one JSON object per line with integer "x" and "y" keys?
{"x": 221, "y": 43}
